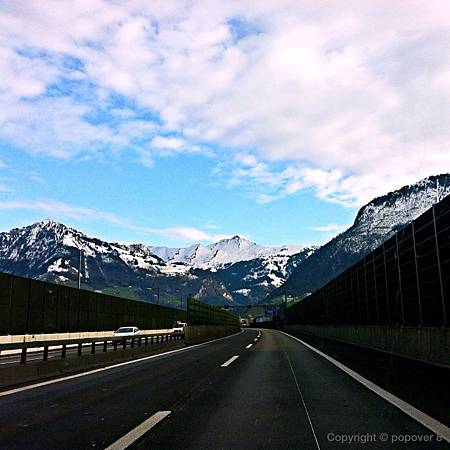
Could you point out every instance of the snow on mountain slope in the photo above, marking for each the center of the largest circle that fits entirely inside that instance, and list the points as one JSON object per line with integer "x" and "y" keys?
{"x": 374, "y": 223}
{"x": 250, "y": 281}
{"x": 223, "y": 253}
{"x": 38, "y": 244}
{"x": 249, "y": 271}
{"x": 50, "y": 251}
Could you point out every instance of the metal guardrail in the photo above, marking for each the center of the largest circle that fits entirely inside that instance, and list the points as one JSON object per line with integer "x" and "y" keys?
{"x": 116, "y": 341}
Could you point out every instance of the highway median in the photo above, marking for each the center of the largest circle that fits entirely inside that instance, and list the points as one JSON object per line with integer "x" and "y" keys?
{"x": 19, "y": 374}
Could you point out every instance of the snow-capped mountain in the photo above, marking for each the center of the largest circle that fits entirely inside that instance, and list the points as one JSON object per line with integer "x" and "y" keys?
{"x": 223, "y": 253}
{"x": 231, "y": 270}
{"x": 248, "y": 270}
{"x": 374, "y": 223}
{"x": 49, "y": 250}
{"x": 251, "y": 280}
{"x": 54, "y": 248}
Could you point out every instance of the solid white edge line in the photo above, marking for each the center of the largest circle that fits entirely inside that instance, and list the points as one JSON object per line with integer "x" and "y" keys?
{"x": 424, "y": 419}
{"x": 131, "y": 437}
{"x": 103, "y": 369}
{"x": 249, "y": 345}
{"x": 228, "y": 362}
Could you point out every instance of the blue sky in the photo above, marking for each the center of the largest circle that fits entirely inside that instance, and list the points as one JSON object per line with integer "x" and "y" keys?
{"x": 176, "y": 193}
{"x": 170, "y": 123}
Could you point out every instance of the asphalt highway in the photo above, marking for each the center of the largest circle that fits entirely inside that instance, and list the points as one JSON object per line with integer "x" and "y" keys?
{"x": 242, "y": 392}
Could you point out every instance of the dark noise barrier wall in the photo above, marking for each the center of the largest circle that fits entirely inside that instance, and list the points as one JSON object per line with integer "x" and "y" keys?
{"x": 396, "y": 299}
{"x": 405, "y": 281}
{"x": 206, "y": 322}
{"x": 30, "y": 306}
{"x": 199, "y": 313}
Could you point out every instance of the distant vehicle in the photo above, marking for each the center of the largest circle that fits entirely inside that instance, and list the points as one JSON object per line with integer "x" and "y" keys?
{"x": 178, "y": 327}
{"x": 263, "y": 319}
{"x": 127, "y": 332}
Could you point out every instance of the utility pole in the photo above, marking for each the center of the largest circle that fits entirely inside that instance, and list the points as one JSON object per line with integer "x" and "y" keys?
{"x": 79, "y": 268}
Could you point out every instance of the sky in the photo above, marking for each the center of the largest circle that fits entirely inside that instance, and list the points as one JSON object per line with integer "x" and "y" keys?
{"x": 174, "y": 122}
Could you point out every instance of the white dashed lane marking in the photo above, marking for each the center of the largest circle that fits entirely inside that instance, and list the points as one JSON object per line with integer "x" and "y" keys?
{"x": 125, "y": 441}
{"x": 227, "y": 363}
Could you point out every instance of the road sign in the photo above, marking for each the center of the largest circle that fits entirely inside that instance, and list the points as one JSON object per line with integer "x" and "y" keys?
{"x": 272, "y": 310}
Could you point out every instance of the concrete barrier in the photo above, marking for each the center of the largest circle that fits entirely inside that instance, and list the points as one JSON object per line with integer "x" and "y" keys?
{"x": 195, "y": 334}
{"x": 6, "y": 339}
{"x": 16, "y": 338}
{"x": 428, "y": 344}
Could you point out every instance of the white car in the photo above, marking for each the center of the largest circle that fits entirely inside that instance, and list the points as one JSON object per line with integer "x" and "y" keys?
{"x": 127, "y": 332}
{"x": 178, "y": 327}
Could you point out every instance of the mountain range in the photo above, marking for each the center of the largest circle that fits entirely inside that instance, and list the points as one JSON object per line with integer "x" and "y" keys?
{"x": 231, "y": 271}
{"x": 49, "y": 250}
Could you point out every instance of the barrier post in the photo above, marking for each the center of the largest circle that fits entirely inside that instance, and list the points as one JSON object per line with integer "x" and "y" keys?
{"x": 23, "y": 356}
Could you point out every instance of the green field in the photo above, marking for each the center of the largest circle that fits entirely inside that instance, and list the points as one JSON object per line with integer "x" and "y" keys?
{"x": 122, "y": 291}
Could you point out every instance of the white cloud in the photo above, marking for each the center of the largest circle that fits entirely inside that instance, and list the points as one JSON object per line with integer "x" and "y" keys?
{"x": 185, "y": 234}
{"x": 211, "y": 226}
{"x": 171, "y": 145}
{"x": 5, "y": 189}
{"x": 350, "y": 100}
{"x": 63, "y": 211}
{"x": 54, "y": 126}
{"x": 331, "y": 227}
{"x": 37, "y": 178}
{"x": 329, "y": 231}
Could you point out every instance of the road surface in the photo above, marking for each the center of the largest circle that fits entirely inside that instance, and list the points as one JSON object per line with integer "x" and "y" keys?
{"x": 242, "y": 392}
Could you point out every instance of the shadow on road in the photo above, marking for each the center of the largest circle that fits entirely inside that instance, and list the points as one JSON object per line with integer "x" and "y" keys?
{"x": 425, "y": 386}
